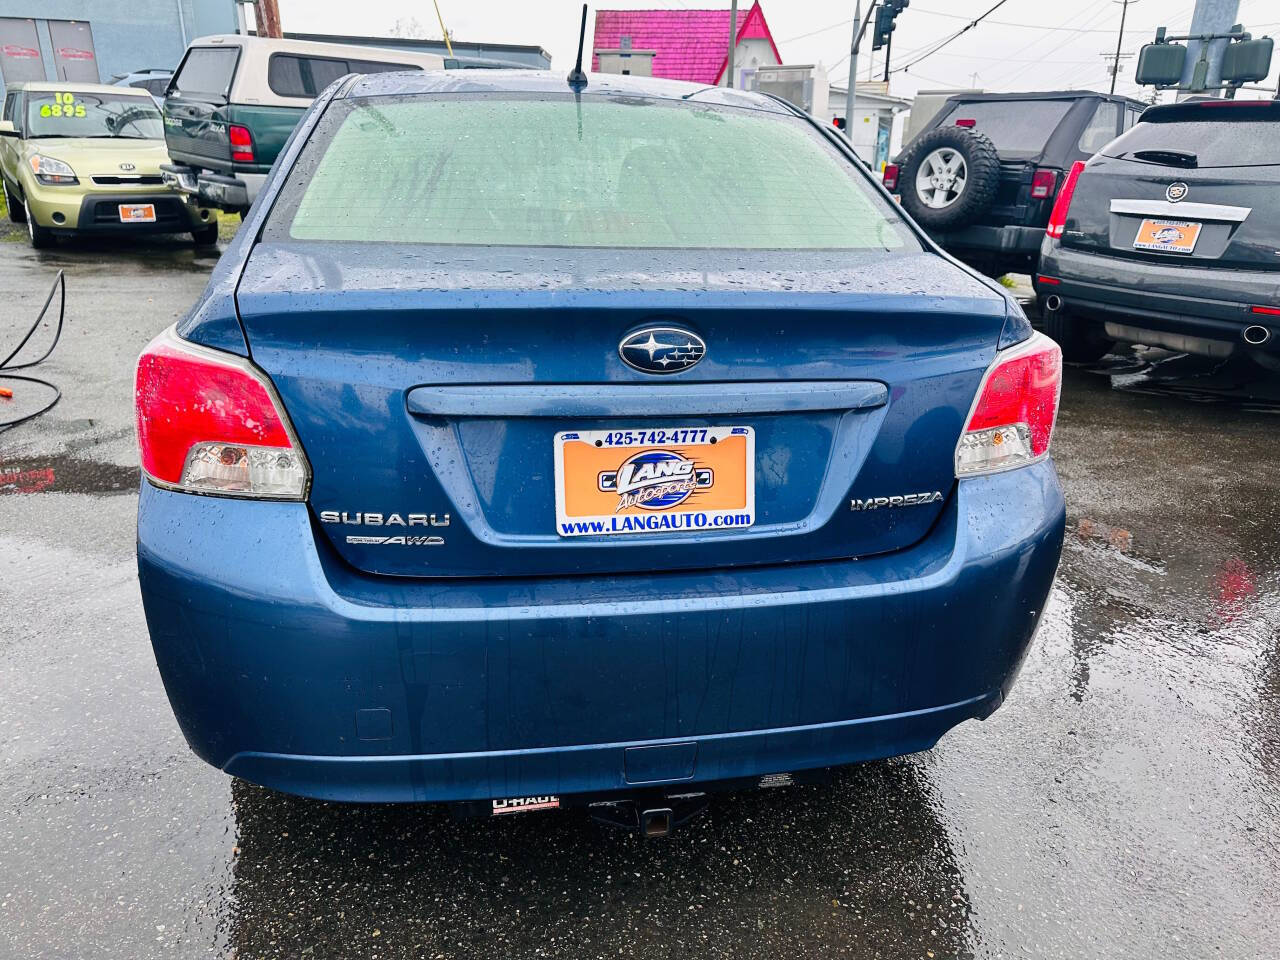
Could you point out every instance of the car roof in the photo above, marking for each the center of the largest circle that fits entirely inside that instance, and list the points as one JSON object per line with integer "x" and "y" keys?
{"x": 1044, "y": 95}
{"x": 71, "y": 86}
{"x": 548, "y": 81}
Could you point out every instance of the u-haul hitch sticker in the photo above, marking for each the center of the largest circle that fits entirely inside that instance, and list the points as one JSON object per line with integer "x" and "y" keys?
{"x": 525, "y": 804}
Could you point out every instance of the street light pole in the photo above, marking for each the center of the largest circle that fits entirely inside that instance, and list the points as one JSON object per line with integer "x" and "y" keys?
{"x": 851, "y": 95}
{"x": 733, "y": 39}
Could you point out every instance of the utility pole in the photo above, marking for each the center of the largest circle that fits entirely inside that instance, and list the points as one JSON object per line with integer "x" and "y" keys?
{"x": 888, "y": 52}
{"x": 1115, "y": 67}
{"x": 1211, "y": 16}
{"x": 851, "y": 96}
{"x": 267, "y": 17}
{"x": 733, "y": 39}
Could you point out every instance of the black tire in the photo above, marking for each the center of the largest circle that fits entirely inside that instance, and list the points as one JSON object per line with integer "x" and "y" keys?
{"x": 206, "y": 236}
{"x": 1082, "y": 341}
{"x": 982, "y": 169}
{"x": 41, "y": 237}
{"x": 17, "y": 211}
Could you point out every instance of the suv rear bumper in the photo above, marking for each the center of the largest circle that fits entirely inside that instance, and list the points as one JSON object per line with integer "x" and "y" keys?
{"x": 1179, "y": 298}
{"x": 1007, "y": 239}
{"x": 286, "y": 667}
{"x": 213, "y": 189}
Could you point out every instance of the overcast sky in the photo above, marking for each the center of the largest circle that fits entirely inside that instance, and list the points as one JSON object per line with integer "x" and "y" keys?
{"x": 1025, "y": 45}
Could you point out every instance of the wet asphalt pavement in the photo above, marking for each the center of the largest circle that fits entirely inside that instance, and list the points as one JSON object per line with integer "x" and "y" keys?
{"x": 1125, "y": 802}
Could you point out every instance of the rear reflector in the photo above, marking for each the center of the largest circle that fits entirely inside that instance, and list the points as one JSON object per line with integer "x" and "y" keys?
{"x": 209, "y": 422}
{"x": 1051, "y": 281}
{"x": 1012, "y": 421}
{"x": 890, "y": 177}
{"x": 1062, "y": 206}
{"x": 966, "y": 123}
{"x": 1266, "y": 311}
{"x": 241, "y": 143}
{"x": 1042, "y": 183}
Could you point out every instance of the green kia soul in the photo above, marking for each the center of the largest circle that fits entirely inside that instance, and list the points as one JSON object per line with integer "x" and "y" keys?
{"x": 234, "y": 100}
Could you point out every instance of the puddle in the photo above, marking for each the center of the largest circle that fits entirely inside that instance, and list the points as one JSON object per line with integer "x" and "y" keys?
{"x": 1236, "y": 382}
{"x": 64, "y": 474}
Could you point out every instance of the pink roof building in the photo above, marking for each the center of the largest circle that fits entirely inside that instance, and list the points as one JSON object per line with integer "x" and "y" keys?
{"x": 688, "y": 45}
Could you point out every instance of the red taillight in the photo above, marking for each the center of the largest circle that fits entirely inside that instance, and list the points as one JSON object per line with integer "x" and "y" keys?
{"x": 1013, "y": 416}
{"x": 209, "y": 423}
{"x": 890, "y": 177}
{"x": 241, "y": 143}
{"x": 966, "y": 122}
{"x": 1061, "y": 206}
{"x": 1042, "y": 183}
{"x": 1266, "y": 311}
{"x": 1051, "y": 281}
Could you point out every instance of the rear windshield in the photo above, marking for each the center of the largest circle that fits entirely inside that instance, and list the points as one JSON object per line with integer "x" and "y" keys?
{"x": 1014, "y": 126}
{"x": 1216, "y": 140}
{"x": 207, "y": 70}
{"x": 603, "y": 173}
{"x": 67, "y": 113}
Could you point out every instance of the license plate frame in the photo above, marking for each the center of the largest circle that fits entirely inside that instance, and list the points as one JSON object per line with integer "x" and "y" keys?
{"x": 136, "y": 212}
{"x": 1161, "y": 235}
{"x": 654, "y": 480}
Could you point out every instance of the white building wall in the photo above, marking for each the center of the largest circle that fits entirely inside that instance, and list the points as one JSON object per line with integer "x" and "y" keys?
{"x": 749, "y": 55}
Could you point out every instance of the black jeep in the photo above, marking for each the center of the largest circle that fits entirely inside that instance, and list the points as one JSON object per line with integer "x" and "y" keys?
{"x": 981, "y": 177}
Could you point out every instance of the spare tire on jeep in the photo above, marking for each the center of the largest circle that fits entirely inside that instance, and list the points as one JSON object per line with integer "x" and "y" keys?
{"x": 948, "y": 177}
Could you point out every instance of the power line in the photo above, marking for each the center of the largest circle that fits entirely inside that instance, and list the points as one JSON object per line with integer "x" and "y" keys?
{"x": 1002, "y": 23}
{"x": 955, "y": 36}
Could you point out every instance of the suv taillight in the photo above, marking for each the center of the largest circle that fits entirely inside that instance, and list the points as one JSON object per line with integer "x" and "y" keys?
{"x": 890, "y": 177}
{"x": 1011, "y": 424}
{"x": 241, "y": 143}
{"x": 210, "y": 422}
{"x": 1042, "y": 183}
{"x": 1058, "y": 218}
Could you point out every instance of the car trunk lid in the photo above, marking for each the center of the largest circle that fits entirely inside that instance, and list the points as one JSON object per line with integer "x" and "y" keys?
{"x": 431, "y": 390}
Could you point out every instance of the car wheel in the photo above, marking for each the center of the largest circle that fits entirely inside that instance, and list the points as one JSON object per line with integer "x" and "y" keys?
{"x": 1082, "y": 341}
{"x": 206, "y": 236}
{"x": 17, "y": 211}
{"x": 41, "y": 237}
{"x": 949, "y": 177}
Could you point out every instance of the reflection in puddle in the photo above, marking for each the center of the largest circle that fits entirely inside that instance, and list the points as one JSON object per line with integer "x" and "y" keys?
{"x": 1235, "y": 382}
{"x": 862, "y": 866}
{"x": 66, "y": 474}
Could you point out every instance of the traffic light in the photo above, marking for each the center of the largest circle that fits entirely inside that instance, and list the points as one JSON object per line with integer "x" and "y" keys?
{"x": 886, "y": 13}
{"x": 838, "y": 123}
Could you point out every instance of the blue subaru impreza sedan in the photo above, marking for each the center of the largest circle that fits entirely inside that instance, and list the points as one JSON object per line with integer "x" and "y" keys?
{"x": 539, "y": 446}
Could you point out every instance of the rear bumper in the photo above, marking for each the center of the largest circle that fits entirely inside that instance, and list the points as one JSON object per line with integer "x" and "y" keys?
{"x": 233, "y": 192}
{"x": 286, "y": 668}
{"x": 1009, "y": 239}
{"x": 1178, "y": 298}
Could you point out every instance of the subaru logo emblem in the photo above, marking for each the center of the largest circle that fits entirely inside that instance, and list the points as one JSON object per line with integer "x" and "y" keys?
{"x": 1176, "y": 191}
{"x": 661, "y": 350}
{"x": 126, "y": 166}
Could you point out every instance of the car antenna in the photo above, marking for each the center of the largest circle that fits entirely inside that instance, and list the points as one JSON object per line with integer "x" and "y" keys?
{"x": 578, "y": 79}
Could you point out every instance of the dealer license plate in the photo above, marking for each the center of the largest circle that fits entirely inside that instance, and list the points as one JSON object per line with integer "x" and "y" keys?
{"x": 1167, "y": 236}
{"x": 137, "y": 213}
{"x": 654, "y": 480}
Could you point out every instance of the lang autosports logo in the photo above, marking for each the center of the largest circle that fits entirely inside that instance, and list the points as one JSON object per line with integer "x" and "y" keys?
{"x": 655, "y": 480}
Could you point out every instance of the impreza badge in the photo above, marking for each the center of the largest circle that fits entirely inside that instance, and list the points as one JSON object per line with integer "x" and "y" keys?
{"x": 905, "y": 500}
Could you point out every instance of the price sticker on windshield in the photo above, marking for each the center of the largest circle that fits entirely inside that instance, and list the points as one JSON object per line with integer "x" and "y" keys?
{"x": 64, "y": 105}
